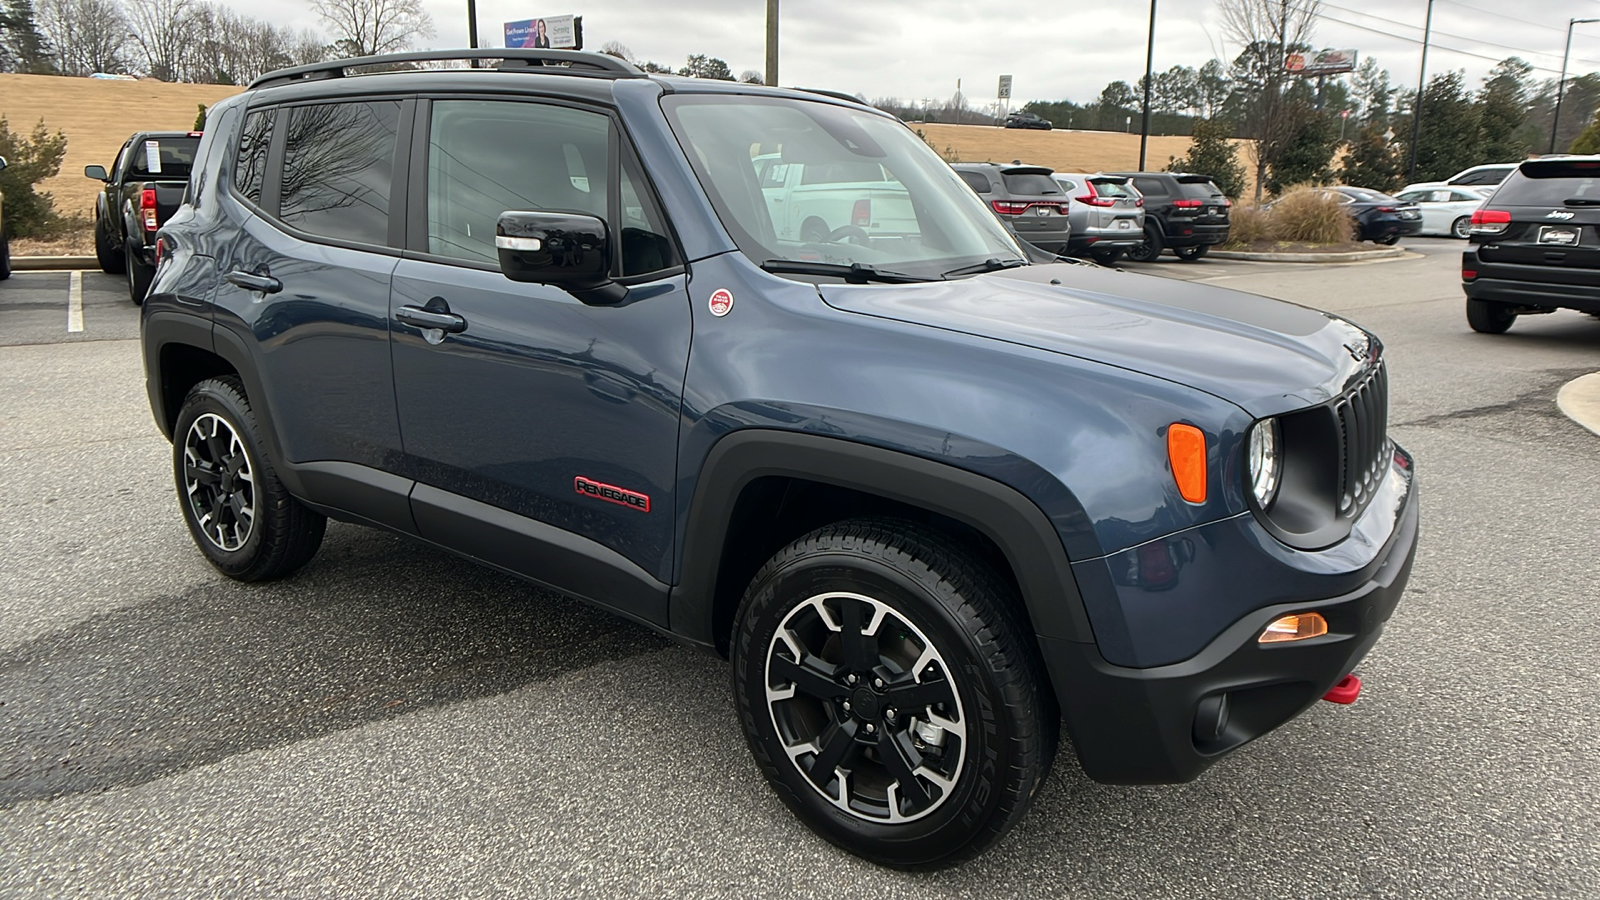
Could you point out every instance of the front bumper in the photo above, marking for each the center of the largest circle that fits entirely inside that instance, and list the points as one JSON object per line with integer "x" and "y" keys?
{"x": 1167, "y": 724}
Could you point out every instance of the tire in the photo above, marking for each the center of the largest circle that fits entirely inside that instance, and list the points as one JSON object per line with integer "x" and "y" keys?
{"x": 1388, "y": 240}
{"x": 1489, "y": 316}
{"x": 1150, "y": 249}
{"x": 1190, "y": 254}
{"x": 5, "y": 256}
{"x": 238, "y": 512}
{"x": 1461, "y": 227}
{"x": 109, "y": 257}
{"x": 1107, "y": 257}
{"x": 814, "y": 230}
{"x": 139, "y": 278}
{"x": 959, "y": 656}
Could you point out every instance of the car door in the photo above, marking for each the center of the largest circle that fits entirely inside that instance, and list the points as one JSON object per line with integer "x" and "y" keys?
{"x": 303, "y": 283}
{"x": 544, "y": 430}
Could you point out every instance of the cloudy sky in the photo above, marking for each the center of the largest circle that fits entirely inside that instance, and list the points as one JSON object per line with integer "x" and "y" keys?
{"x": 1065, "y": 49}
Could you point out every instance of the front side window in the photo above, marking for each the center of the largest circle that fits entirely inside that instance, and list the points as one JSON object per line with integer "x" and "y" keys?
{"x": 338, "y": 169}
{"x": 488, "y": 157}
{"x": 872, "y": 192}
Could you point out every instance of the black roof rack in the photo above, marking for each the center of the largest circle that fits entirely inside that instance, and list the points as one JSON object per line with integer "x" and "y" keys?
{"x": 548, "y": 62}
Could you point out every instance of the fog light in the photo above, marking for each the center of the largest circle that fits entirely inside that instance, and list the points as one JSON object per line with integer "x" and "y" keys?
{"x": 1297, "y": 627}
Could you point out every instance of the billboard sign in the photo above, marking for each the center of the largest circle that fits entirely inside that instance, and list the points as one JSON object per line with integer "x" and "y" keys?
{"x": 550, "y": 32}
{"x": 1323, "y": 62}
{"x": 1005, "y": 88}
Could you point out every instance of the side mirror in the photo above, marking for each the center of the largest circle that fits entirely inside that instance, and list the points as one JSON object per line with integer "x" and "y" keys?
{"x": 2, "y": 163}
{"x": 98, "y": 173}
{"x": 564, "y": 250}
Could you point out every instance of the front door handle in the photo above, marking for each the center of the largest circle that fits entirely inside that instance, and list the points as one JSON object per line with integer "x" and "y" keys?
{"x": 447, "y": 322}
{"x": 250, "y": 281}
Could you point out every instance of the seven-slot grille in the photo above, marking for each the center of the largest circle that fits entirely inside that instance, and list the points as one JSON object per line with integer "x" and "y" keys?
{"x": 1363, "y": 416}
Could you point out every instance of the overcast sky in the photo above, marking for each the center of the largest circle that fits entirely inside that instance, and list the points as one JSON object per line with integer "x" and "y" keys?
{"x": 1064, "y": 49}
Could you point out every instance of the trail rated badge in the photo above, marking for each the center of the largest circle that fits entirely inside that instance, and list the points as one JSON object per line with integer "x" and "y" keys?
{"x": 721, "y": 302}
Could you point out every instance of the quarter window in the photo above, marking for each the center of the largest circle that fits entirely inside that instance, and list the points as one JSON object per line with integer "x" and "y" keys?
{"x": 338, "y": 168}
{"x": 250, "y": 170}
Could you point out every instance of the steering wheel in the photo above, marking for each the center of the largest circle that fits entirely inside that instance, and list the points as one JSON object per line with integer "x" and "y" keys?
{"x": 855, "y": 234}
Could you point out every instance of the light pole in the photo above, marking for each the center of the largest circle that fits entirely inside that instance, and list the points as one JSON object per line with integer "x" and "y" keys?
{"x": 1561, "y": 84}
{"x": 472, "y": 29}
{"x": 1149, "y": 59}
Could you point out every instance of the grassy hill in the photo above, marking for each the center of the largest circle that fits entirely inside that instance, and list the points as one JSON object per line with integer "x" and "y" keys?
{"x": 97, "y": 116}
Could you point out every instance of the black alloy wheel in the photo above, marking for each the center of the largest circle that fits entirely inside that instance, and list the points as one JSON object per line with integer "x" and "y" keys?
{"x": 889, "y": 694}
{"x": 1149, "y": 249}
{"x": 240, "y": 515}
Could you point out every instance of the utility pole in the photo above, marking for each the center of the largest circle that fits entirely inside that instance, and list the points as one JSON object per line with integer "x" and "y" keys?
{"x": 772, "y": 42}
{"x": 1149, "y": 60}
{"x": 472, "y": 29}
{"x": 1416, "y": 106}
{"x": 1562, "y": 83}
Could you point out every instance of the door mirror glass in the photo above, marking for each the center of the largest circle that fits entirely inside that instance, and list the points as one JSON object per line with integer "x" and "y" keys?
{"x": 98, "y": 173}
{"x": 565, "y": 250}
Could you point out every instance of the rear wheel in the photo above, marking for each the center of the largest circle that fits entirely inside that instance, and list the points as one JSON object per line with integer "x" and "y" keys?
{"x": 1150, "y": 248}
{"x": 814, "y": 230}
{"x": 1388, "y": 240}
{"x": 5, "y": 256}
{"x": 139, "y": 278}
{"x": 890, "y": 694}
{"x": 109, "y": 257}
{"x": 1489, "y": 316}
{"x": 238, "y": 512}
{"x": 1190, "y": 254}
{"x": 1462, "y": 227}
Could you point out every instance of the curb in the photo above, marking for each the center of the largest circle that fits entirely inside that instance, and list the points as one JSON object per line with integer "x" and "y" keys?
{"x": 1580, "y": 400}
{"x": 1352, "y": 256}
{"x": 52, "y": 263}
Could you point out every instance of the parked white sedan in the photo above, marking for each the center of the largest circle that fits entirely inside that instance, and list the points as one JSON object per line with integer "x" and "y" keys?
{"x": 1445, "y": 210}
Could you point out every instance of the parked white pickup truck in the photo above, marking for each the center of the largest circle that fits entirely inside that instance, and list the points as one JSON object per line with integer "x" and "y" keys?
{"x": 834, "y": 201}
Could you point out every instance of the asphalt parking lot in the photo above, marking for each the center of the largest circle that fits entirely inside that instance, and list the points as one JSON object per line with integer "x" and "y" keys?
{"x": 393, "y": 722}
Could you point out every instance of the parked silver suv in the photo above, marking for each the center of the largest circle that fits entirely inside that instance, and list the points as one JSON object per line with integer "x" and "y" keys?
{"x": 1106, "y": 215}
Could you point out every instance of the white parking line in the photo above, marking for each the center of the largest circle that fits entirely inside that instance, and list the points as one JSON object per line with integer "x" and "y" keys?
{"x": 75, "y": 302}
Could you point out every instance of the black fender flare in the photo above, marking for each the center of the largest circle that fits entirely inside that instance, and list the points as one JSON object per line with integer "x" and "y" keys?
{"x": 1016, "y": 525}
{"x": 160, "y": 329}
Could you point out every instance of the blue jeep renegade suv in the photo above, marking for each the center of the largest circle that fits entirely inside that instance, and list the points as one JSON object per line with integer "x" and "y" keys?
{"x": 931, "y": 500}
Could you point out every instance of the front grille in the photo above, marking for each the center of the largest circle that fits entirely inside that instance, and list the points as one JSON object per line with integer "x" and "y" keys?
{"x": 1363, "y": 414}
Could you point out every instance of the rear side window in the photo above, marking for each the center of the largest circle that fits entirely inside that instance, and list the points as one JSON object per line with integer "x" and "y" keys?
{"x": 1066, "y": 184}
{"x": 1487, "y": 176}
{"x": 1029, "y": 183}
{"x": 1151, "y": 187}
{"x": 250, "y": 168}
{"x": 338, "y": 168}
{"x": 1551, "y": 184}
{"x": 976, "y": 181}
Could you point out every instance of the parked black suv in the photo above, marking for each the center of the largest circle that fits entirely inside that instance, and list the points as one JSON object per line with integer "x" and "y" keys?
{"x": 1184, "y": 213}
{"x": 1024, "y": 119}
{"x": 933, "y": 501}
{"x": 1535, "y": 244}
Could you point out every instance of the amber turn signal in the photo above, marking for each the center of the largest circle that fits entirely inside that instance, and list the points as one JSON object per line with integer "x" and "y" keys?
{"x": 1186, "y": 450}
{"x": 1295, "y": 628}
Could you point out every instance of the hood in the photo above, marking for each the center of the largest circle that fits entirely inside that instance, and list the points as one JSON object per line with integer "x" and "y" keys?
{"x": 1267, "y": 356}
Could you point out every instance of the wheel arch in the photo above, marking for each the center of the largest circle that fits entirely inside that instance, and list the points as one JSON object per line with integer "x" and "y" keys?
{"x": 760, "y": 487}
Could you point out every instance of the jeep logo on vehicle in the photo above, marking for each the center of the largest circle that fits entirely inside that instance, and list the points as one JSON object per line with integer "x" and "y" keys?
{"x": 1558, "y": 214}
{"x": 612, "y": 493}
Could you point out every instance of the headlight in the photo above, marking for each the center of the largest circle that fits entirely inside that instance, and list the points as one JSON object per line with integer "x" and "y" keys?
{"x": 1265, "y": 462}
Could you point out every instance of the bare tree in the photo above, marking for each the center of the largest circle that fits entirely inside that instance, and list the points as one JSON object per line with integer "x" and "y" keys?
{"x": 617, "y": 49}
{"x": 1266, "y": 31}
{"x": 165, "y": 31}
{"x": 373, "y": 27}
{"x": 89, "y": 35}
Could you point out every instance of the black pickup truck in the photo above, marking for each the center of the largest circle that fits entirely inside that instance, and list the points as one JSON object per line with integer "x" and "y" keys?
{"x": 144, "y": 187}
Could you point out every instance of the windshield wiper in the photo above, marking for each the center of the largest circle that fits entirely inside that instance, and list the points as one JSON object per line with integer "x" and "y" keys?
{"x": 992, "y": 264}
{"x": 855, "y": 273}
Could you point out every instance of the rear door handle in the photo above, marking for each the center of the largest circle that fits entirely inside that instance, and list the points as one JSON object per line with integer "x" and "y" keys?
{"x": 250, "y": 281}
{"x": 447, "y": 322}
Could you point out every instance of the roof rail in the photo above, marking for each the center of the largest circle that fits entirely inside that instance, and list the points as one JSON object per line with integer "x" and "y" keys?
{"x": 550, "y": 62}
{"x": 837, "y": 95}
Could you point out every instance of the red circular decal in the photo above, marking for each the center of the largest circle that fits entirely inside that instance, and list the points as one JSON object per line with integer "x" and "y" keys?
{"x": 721, "y": 302}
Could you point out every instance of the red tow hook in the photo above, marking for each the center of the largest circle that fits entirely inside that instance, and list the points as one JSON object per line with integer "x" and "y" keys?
{"x": 1346, "y": 691}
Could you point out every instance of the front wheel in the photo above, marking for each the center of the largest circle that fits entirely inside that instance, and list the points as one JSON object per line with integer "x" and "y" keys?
{"x": 1190, "y": 254}
{"x": 1148, "y": 249}
{"x": 1389, "y": 240}
{"x": 1461, "y": 227}
{"x": 238, "y": 512}
{"x": 889, "y": 693}
{"x": 1489, "y": 316}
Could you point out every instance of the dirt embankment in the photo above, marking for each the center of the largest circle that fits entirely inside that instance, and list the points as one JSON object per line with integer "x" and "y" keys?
{"x": 97, "y": 116}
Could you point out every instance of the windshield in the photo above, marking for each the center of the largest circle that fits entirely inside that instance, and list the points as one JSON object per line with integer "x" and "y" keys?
{"x": 819, "y": 183}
